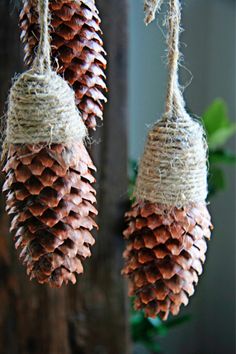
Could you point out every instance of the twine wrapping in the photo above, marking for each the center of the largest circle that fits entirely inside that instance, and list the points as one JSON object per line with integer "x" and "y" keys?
{"x": 41, "y": 107}
{"x": 173, "y": 169}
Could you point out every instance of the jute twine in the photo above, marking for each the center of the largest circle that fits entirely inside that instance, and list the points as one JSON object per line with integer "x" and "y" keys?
{"x": 41, "y": 106}
{"x": 173, "y": 169}
{"x": 150, "y": 8}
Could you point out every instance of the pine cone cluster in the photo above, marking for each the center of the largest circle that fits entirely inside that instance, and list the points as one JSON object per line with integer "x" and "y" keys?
{"x": 164, "y": 256}
{"x": 49, "y": 193}
{"x": 77, "y": 50}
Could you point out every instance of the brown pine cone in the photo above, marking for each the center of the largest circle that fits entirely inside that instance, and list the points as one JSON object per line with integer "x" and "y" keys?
{"x": 49, "y": 193}
{"x": 164, "y": 256}
{"x": 77, "y": 50}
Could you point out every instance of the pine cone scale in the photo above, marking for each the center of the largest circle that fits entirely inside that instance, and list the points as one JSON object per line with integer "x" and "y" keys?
{"x": 165, "y": 253}
{"x": 52, "y": 207}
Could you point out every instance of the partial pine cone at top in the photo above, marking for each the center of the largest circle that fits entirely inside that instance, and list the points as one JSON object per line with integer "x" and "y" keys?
{"x": 165, "y": 254}
{"x": 77, "y": 50}
{"x": 49, "y": 194}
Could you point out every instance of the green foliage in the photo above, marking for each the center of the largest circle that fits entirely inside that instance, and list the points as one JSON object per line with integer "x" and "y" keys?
{"x": 219, "y": 129}
{"x": 218, "y": 126}
{"x": 147, "y": 330}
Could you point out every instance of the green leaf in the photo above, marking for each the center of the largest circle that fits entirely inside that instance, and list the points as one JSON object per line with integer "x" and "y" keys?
{"x": 136, "y": 318}
{"x": 222, "y": 157}
{"x": 221, "y": 136}
{"x": 156, "y": 322}
{"x": 218, "y": 126}
{"x": 153, "y": 346}
{"x": 178, "y": 321}
{"x": 216, "y": 116}
{"x": 162, "y": 330}
{"x": 217, "y": 180}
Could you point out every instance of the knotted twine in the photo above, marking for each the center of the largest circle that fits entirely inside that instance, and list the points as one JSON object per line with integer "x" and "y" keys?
{"x": 173, "y": 169}
{"x": 41, "y": 106}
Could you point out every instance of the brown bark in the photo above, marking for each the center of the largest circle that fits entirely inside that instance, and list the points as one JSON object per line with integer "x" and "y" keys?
{"x": 90, "y": 317}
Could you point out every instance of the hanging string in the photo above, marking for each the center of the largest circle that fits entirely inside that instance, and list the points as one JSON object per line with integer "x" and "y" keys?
{"x": 42, "y": 60}
{"x": 174, "y": 98}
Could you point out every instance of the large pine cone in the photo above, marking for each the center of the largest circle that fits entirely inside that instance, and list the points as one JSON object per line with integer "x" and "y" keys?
{"x": 49, "y": 193}
{"x": 164, "y": 256}
{"x": 77, "y": 50}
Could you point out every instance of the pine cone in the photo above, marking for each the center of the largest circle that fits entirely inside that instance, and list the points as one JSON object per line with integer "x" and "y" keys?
{"x": 77, "y": 49}
{"x": 165, "y": 253}
{"x": 49, "y": 193}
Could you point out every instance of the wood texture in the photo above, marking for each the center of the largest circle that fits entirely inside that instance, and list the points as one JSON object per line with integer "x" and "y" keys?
{"x": 91, "y": 317}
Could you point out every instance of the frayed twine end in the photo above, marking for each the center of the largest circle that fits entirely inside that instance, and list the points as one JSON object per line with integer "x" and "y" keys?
{"x": 151, "y": 7}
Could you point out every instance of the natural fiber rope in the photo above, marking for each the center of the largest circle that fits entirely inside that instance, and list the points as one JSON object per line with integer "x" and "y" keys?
{"x": 174, "y": 99}
{"x": 150, "y": 9}
{"x": 41, "y": 106}
{"x": 42, "y": 61}
{"x": 173, "y": 169}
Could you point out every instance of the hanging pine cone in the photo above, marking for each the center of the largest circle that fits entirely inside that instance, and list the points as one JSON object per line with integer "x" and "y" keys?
{"x": 48, "y": 171}
{"x": 164, "y": 256}
{"x": 77, "y": 49}
{"x": 52, "y": 204}
{"x": 169, "y": 223}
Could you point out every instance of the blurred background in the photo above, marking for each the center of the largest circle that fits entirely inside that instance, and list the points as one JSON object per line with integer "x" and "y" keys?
{"x": 95, "y": 316}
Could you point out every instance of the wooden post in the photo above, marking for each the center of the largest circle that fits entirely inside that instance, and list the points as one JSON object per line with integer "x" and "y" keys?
{"x": 92, "y": 316}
